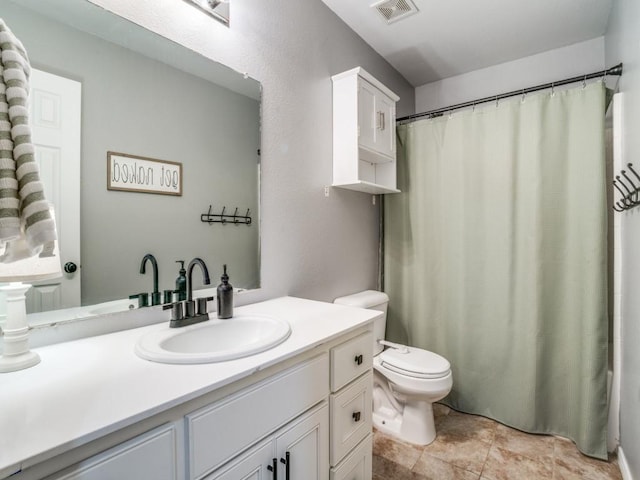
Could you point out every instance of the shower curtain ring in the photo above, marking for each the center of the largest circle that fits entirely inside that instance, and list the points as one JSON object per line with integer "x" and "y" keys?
{"x": 584, "y": 82}
{"x": 523, "y": 95}
{"x": 553, "y": 89}
{"x": 497, "y": 98}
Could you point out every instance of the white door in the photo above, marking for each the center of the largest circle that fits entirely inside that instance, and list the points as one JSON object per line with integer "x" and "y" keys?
{"x": 55, "y": 121}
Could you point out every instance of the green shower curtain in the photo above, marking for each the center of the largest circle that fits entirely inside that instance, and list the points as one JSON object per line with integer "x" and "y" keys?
{"x": 495, "y": 257}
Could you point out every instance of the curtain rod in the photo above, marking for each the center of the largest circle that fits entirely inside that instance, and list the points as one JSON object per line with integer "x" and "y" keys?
{"x": 617, "y": 70}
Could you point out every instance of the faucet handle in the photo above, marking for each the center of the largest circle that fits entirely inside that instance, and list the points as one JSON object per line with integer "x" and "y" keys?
{"x": 176, "y": 311}
{"x": 168, "y": 296}
{"x": 202, "y": 305}
{"x": 143, "y": 299}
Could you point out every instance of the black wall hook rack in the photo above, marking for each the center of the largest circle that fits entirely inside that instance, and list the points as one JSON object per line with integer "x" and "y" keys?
{"x": 629, "y": 189}
{"x": 225, "y": 218}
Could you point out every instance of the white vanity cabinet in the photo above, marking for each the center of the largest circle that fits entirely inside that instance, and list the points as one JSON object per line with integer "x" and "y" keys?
{"x": 219, "y": 432}
{"x": 364, "y": 133}
{"x": 350, "y": 409}
{"x": 301, "y": 411}
{"x": 297, "y": 451}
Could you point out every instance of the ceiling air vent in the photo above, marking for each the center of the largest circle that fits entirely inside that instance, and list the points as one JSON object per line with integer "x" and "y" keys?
{"x": 394, "y": 10}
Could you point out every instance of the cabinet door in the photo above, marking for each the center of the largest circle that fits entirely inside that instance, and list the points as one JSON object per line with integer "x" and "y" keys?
{"x": 385, "y": 113}
{"x": 253, "y": 465}
{"x": 366, "y": 115}
{"x": 357, "y": 465}
{"x": 302, "y": 448}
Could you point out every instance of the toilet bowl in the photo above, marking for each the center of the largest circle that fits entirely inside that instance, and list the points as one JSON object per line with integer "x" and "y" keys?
{"x": 407, "y": 380}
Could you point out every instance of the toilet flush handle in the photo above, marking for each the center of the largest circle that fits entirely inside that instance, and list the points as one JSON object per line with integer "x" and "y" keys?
{"x": 397, "y": 346}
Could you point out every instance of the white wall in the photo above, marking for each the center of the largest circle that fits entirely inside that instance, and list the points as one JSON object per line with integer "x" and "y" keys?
{"x": 622, "y": 44}
{"x": 558, "y": 64}
{"x": 312, "y": 246}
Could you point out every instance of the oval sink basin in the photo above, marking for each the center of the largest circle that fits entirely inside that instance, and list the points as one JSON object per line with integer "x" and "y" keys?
{"x": 214, "y": 340}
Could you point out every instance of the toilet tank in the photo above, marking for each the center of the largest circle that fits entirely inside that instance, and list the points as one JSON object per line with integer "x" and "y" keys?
{"x": 371, "y": 300}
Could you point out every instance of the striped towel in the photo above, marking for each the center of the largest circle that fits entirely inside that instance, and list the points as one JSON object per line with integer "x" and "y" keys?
{"x": 26, "y": 225}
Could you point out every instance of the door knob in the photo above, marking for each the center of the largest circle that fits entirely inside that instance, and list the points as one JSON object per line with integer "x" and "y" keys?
{"x": 70, "y": 267}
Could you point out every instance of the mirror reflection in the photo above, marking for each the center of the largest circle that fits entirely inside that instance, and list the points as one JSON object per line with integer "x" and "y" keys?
{"x": 102, "y": 84}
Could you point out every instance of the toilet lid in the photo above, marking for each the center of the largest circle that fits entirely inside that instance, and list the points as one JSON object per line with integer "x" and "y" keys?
{"x": 415, "y": 362}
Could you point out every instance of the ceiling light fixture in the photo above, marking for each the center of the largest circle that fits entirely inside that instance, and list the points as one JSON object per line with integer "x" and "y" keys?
{"x": 218, "y": 9}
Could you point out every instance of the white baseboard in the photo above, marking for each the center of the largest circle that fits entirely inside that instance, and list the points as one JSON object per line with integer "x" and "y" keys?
{"x": 624, "y": 466}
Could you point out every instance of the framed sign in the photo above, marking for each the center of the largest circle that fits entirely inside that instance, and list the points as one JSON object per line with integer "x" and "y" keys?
{"x": 131, "y": 173}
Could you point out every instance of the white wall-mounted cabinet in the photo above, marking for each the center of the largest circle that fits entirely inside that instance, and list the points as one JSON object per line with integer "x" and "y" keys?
{"x": 364, "y": 133}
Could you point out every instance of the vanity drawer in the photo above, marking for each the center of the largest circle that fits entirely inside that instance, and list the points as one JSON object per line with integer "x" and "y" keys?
{"x": 350, "y": 417}
{"x": 220, "y": 431}
{"x": 350, "y": 360}
{"x": 358, "y": 464}
{"x": 150, "y": 455}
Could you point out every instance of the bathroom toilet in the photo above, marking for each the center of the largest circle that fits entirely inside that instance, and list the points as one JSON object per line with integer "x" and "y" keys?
{"x": 406, "y": 381}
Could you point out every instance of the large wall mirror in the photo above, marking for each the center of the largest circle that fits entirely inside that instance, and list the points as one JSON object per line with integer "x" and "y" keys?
{"x": 141, "y": 95}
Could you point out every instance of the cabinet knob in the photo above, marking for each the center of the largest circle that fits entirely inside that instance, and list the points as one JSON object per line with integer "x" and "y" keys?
{"x": 356, "y": 416}
{"x": 358, "y": 359}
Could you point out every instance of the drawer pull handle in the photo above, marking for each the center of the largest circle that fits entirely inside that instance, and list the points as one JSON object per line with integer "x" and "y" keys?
{"x": 356, "y": 416}
{"x": 358, "y": 359}
{"x": 286, "y": 465}
{"x": 274, "y": 468}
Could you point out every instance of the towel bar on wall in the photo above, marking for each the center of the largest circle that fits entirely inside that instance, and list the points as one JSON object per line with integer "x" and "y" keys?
{"x": 629, "y": 191}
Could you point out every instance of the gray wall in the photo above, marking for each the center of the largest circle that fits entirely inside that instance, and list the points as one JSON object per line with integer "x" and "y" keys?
{"x": 622, "y": 44}
{"x": 135, "y": 105}
{"x": 550, "y": 66}
{"x": 311, "y": 246}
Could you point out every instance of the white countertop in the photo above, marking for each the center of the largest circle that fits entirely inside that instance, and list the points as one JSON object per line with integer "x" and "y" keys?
{"x": 88, "y": 388}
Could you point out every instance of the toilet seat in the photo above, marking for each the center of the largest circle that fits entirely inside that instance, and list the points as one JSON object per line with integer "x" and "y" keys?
{"x": 415, "y": 362}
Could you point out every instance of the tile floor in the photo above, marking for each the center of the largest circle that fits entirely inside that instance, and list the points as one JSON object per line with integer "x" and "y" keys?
{"x": 470, "y": 447}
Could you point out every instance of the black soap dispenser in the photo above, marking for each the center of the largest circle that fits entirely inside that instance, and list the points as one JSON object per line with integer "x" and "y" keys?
{"x": 181, "y": 282}
{"x": 225, "y": 296}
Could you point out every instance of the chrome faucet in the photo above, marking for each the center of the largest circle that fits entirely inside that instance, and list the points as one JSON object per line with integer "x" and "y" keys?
{"x": 155, "y": 296}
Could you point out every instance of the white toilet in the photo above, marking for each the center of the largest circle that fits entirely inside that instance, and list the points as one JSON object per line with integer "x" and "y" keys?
{"x": 406, "y": 380}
